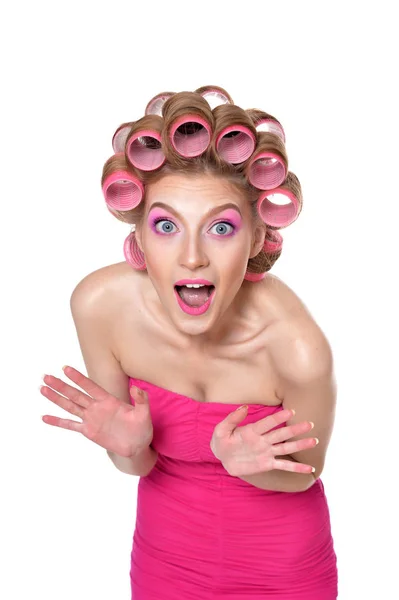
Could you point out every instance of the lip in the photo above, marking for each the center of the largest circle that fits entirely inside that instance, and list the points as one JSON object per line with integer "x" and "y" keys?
{"x": 202, "y": 281}
{"x": 195, "y": 310}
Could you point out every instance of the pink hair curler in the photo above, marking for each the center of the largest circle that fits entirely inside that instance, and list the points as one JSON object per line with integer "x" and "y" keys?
{"x": 133, "y": 255}
{"x": 254, "y": 276}
{"x": 120, "y": 137}
{"x": 122, "y": 190}
{"x": 278, "y": 215}
{"x": 154, "y": 107}
{"x": 144, "y": 150}
{"x": 273, "y": 241}
{"x": 190, "y": 135}
{"x": 271, "y": 126}
{"x": 215, "y": 96}
{"x": 266, "y": 171}
{"x": 235, "y": 144}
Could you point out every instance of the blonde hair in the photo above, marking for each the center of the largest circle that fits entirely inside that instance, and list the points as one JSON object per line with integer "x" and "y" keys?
{"x": 212, "y": 161}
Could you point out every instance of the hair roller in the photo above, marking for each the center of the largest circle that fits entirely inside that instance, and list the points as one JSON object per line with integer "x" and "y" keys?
{"x": 273, "y": 241}
{"x": 261, "y": 264}
{"x": 120, "y": 136}
{"x": 281, "y": 215}
{"x": 250, "y": 276}
{"x": 235, "y": 134}
{"x": 214, "y": 95}
{"x": 121, "y": 188}
{"x": 268, "y": 167}
{"x": 133, "y": 255}
{"x": 188, "y": 125}
{"x": 143, "y": 146}
{"x": 265, "y": 122}
{"x": 154, "y": 107}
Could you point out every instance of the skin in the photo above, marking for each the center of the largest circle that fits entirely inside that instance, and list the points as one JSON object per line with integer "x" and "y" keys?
{"x": 228, "y": 351}
{"x": 187, "y": 244}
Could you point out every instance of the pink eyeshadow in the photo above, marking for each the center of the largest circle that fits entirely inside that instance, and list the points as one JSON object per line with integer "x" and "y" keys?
{"x": 158, "y": 212}
{"x": 229, "y": 214}
{"x": 232, "y": 216}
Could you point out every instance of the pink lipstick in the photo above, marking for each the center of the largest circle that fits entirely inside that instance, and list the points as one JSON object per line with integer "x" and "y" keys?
{"x": 199, "y": 281}
{"x": 189, "y": 308}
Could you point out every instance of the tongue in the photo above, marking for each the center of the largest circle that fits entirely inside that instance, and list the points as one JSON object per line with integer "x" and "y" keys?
{"x": 194, "y": 296}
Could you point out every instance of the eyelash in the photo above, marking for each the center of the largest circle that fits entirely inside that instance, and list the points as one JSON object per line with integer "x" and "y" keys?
{"x": 159, "y": 219}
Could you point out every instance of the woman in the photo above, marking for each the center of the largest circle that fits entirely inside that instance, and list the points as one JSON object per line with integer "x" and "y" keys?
{"x": 190, "y": 327}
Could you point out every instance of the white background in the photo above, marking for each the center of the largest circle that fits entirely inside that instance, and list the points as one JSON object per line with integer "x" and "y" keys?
{"x": 72, "y": 73}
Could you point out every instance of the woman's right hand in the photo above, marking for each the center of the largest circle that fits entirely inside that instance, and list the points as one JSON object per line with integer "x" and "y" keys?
{"x": 116, "y": 426}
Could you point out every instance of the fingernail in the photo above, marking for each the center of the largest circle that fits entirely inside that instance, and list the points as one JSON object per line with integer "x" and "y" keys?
{"x": 313, "y": 469}
{"x": 240, "y": 407}
{"x": 64, "y": 367}
{"x": 293, "y": 412}
{"x": 39, "y": 387}
{"x": 43, "y": 376}
{"x": 317, "y": 440}
{"x": 312, "y": 424}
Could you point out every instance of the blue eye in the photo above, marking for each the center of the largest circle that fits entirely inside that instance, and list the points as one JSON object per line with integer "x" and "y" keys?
{"x": 168, "y": 225}
{"x": 165, "y": 228}
{"x": 223, "y": 224}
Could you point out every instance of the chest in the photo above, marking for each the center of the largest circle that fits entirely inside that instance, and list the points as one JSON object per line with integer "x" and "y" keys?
{"x": 236, "y": 374}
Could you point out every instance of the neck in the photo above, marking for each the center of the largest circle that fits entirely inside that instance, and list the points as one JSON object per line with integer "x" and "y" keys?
{"x": 225, "y": 330}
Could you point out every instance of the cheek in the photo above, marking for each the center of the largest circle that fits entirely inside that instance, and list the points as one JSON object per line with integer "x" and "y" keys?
{"x": 236, "y": 258}
{"x": 231, "y": 262}
{"x": 159, "y": 260}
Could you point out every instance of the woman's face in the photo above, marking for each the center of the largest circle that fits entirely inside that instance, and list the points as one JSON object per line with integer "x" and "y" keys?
{"x": 197, "y": 228}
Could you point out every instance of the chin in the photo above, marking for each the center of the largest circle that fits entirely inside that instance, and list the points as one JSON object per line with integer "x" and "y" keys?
{"x": 190, "y": 326}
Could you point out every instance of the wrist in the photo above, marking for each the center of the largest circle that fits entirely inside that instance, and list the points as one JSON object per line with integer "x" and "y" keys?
{"x": 144, "y": 461}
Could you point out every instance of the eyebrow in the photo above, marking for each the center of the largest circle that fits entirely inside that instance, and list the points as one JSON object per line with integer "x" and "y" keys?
{"x": 211, "y": 212}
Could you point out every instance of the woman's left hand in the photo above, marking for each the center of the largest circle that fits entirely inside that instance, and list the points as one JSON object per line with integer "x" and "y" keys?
{"x": 252, "y": 448}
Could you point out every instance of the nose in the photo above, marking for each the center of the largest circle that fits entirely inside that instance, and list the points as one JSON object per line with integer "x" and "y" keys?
{"x": 193, "y": 255}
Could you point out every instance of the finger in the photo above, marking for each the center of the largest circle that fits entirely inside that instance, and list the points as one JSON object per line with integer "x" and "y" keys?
{"x": 267, "y": 423}
{"x": 294, "y": 467}
{"x": 68, "y": 391}
{"x": 291, "y": 447}
{"x": 64, "y": 403}
{"x": 94, "y": 390}
{"x": 285, "y": 433}
{"x": 63, "y": 423}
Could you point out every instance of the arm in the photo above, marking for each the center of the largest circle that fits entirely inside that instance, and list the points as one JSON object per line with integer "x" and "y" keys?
{"x": 92, "y": 308}
{"x": 281, "y": 481}
{"x": 141, "y": 464}
{"x": 304, "y": 362}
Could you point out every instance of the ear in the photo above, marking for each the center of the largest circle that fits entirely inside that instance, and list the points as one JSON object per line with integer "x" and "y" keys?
{"x": 258, "y": 240}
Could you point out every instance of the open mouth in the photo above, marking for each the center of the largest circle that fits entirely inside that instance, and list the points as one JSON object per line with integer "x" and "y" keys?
{"x": 195, "y": 301}
{"x": 194, "y": 297}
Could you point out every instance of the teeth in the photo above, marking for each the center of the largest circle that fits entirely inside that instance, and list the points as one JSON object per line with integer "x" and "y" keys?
{"x": 194, "y": 285}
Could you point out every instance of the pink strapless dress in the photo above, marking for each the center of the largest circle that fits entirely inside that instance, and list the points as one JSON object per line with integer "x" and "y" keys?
{"x": 202, "y": 534}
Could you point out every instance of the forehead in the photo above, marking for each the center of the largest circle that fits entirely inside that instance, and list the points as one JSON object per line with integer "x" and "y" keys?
{"x": 210, "y": 190}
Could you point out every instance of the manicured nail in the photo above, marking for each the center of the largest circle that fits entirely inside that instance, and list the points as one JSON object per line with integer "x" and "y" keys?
{"x": 317, "y": 440}
{"x": 312, "y": 424}
{"x": 313, "y": 469}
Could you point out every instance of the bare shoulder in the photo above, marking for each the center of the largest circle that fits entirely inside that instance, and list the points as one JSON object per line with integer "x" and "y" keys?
{"x": 299, "y": 347}
{"x": 94, "y": 304}
{"x": 100, "y": 290}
